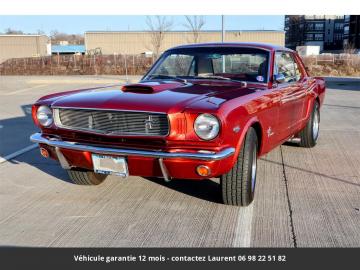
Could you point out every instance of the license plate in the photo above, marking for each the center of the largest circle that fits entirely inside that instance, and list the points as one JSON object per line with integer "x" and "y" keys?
{"x": 110, "y": 165}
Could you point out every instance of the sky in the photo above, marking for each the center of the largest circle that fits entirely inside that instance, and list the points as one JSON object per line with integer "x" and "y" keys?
{"x": 82, "y": 23}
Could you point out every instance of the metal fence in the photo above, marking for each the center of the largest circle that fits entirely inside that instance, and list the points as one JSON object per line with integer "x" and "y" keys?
{"x": 335, "y": 59}
{"x": 78, "y": 65}
{"x": 333, "y": 64}
{"x": 97, "y": 64}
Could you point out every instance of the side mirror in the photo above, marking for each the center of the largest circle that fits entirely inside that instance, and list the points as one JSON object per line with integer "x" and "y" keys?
{"x": 279, "y": 78}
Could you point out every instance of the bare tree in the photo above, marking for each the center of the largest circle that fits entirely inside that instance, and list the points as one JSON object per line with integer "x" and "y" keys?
{"x": 40, "y": 32}
{"x": 158, "y": 26}
{"x": 194, "y": 24}
{"x": 10, "y": 31}
{"x": 57, "y": 37}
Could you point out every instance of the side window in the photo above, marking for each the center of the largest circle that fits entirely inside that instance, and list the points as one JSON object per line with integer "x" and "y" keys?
{"x": 284, "y": 64}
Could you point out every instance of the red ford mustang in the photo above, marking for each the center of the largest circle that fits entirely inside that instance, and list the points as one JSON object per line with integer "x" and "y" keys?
{"x": 202, "y": 111}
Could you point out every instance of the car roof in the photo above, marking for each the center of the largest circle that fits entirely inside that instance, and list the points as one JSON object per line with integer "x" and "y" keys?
{"x": 255, "y": 45}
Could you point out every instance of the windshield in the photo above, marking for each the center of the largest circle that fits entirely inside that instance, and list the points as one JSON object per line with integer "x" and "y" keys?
{"x": 219, "y": 63}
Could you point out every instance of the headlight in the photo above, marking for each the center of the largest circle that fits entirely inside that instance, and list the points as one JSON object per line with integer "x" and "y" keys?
{"x": 44, "y": 116}
{"x": 206, "y": 126}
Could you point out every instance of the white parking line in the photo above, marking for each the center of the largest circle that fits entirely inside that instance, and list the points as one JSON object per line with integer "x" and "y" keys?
{"x": 22, "y": 90}
{"x": 17, "y": 153}
{"x": 243, "y": 227}
{"x": 84, "y": 81}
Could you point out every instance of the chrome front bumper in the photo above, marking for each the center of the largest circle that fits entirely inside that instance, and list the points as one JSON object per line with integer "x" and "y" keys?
{"x": 38, "y": 138}
{"x": 58, "y": 144}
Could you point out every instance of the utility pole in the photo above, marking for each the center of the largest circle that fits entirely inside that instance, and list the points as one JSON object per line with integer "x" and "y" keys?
{"x": 223, "y": 40}
{"x": 222, "y": 28}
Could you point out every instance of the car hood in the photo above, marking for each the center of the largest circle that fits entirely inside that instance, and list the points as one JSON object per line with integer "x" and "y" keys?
{"x": 166, "y": 97}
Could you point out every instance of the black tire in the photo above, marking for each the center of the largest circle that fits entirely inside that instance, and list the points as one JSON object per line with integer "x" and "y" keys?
{"x": 238, "y": 185}
{"x": 80, "y": 177}
{"x": 310, "y": 133}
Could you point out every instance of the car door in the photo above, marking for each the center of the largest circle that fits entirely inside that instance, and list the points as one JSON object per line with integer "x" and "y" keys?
{"x": 291, "y": 93}
{"x": 303, "y": 96}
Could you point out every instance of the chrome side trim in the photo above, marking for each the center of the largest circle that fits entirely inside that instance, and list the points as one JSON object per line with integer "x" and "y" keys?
{"x": 38, "y": 138}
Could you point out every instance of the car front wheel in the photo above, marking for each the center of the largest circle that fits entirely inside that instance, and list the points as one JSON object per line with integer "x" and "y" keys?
{"x": 81, "y": 177}
{"x": 238, "y": 185}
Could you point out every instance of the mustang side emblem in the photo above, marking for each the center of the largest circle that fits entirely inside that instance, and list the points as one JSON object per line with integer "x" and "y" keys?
{"x": 269, "y": 132}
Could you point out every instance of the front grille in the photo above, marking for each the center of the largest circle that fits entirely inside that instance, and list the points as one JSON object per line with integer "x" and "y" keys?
{"x": 113, "y": 122}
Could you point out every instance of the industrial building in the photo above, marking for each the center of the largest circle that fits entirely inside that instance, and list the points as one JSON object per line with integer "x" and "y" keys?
{"x": 326, "y": 31}
{"x": 137, "y": 42}
{"x": 352, "y": 31}
{"x": 17, "y": 46}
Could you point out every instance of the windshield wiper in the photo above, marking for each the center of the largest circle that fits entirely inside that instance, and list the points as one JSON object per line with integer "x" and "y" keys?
{"x": 175, "y": 78}
{"x": 214, "y": 77}
{"x": 244, "y": 83}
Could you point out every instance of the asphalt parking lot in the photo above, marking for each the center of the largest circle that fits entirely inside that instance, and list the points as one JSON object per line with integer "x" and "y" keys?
{"x": 304, "y": 197}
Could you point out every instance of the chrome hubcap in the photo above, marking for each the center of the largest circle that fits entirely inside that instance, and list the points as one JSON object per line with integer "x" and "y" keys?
{"x": 253, "y": 171}
{"x": 316, "y": 125}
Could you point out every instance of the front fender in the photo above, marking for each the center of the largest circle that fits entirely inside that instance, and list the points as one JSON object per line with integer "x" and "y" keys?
{"x": 241, "y": 137}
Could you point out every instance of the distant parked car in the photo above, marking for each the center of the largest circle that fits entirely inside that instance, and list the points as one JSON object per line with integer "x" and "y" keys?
{"x": 202, "y": 111}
